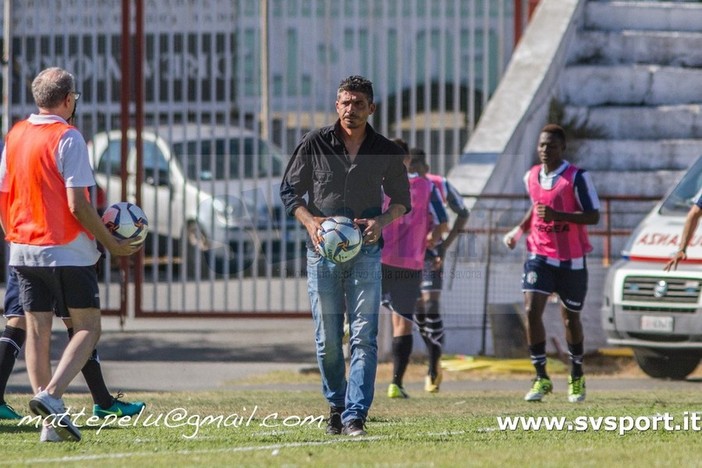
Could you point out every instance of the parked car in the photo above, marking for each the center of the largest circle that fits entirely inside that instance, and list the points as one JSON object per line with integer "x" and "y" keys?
{"x": 210, "y": 193}
{"x": 656, "y": 313}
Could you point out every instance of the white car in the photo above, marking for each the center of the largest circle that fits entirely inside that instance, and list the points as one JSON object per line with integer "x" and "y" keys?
{"x": 210, "y": 191}
{"x": 659, "y": 313}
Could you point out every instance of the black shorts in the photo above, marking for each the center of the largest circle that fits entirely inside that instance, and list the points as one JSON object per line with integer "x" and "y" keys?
{"x": 570, "y": 285}
{"x": 45, "y": 289}
{"x": 12, "y": 307}
{"x": 401, "y": 290}
{"x": 432, "y": 277}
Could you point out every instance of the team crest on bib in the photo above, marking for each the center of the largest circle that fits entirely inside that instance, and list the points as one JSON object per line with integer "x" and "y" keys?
{"x": 532, "y": 277}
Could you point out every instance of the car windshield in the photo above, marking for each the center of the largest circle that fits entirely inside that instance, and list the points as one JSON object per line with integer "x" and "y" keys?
{"x": 222, "y": 159}
{"x": 685, "y": 193}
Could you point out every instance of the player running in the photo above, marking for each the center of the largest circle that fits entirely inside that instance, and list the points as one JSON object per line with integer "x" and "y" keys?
{"x": 564, "y": 201}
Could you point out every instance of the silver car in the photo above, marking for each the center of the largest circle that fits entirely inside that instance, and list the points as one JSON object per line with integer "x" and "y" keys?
{"x": 210, "y": 192}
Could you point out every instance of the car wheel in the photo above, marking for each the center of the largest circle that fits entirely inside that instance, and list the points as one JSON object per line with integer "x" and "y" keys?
{"x": 666, "y": 365}
{"x": 203, "y": 257}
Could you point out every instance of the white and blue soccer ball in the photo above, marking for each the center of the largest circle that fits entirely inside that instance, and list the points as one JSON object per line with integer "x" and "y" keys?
{"x": 125, "y": 220}
{"x": 342, "y": 239}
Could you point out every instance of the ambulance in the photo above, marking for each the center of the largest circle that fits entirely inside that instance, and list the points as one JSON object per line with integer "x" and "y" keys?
{"x": 658, "y": 314}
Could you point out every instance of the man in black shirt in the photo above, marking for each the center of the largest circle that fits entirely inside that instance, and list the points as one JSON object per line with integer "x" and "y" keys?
{"x": 344, "y": 169}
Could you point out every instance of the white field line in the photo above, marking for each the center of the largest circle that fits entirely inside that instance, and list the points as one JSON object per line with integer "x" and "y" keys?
{"x": 109, "y": 456}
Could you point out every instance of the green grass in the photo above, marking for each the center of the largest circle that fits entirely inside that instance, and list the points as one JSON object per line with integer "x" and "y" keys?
{"x": 447, "y": 429}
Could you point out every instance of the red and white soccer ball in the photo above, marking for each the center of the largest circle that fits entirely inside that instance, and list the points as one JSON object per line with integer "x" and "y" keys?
{"x": 342, "y": 239}
{"x": 126, "y": 221}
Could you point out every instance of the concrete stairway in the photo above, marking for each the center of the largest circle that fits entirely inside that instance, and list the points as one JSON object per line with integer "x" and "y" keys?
{"x": 634, "y": 71}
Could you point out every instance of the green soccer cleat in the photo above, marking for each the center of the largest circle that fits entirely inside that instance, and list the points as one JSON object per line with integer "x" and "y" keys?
{"x": 576, "y": 389}
{"x": 119, "y": 408}
{"x": 395, "y": 391}
{"x": 541, "y": 387}
{"x": 432, "y": 385}
{"x": 8, "y": 412}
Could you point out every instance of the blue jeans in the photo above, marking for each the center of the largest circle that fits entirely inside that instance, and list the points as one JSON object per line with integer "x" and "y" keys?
{"x": 353, "y": 288}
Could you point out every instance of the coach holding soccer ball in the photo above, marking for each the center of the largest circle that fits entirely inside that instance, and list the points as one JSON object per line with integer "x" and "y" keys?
{"x": 343, "y": 169}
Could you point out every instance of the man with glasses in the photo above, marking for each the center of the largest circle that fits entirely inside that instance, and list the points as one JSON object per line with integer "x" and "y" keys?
{"x": 52, "y": 228}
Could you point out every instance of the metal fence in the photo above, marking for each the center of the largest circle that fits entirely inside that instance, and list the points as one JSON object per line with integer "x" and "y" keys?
{"x": 258, "y": 74}
{"x": 270, "y": 65}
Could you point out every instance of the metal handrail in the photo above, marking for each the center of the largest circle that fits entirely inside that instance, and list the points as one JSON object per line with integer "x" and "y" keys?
{"x": 607, "y": 231}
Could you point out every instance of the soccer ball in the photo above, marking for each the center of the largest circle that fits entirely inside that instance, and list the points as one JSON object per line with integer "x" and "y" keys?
{"x": 341, "y": 239}
{"x": 125, "y": 220}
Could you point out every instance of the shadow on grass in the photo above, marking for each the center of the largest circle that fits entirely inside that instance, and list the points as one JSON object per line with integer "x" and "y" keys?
{"x": 195, "y": 346}
{"x": 11, "y": 427}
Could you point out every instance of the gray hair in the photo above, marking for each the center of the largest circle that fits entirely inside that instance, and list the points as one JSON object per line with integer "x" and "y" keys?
{"x": 51, "y": 86}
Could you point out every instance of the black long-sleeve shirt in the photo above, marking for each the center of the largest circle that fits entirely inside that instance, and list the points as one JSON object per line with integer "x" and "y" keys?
{"x": 321, "y": 177}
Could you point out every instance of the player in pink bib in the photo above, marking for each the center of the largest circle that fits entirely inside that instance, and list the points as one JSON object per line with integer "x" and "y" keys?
{"x": 406, "y": 240}
{"x": 563, "y": 201}
{"x": 428, "y": 314}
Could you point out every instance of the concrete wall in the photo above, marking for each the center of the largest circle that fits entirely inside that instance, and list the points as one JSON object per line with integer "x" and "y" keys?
{"x": 506, "y": 134}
